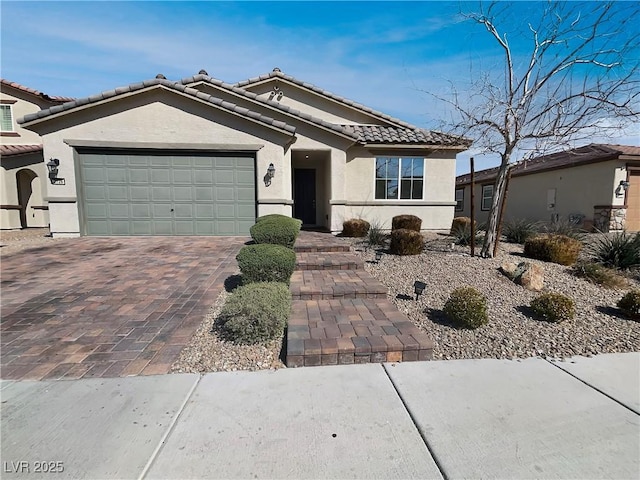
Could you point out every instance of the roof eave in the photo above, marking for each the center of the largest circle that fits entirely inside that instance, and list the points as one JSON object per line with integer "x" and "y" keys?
{"x": 415, "y": 146}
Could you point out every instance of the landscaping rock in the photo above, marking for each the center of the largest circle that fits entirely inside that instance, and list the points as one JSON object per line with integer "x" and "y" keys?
{"x": 527, "y": 274}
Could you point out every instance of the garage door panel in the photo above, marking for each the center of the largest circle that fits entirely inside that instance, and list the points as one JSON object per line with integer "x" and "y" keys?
{"x": 118, "y": 193}
{"x": 134, "y": 193}
{"x": 139, "y": 175}
{"x": 182, "y": 175}
{"x": 118, "y": 210}
{"x": 92, "y": 192}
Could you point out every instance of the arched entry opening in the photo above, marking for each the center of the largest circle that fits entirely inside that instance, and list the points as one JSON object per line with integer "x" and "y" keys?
{"x": 25, "y": 180}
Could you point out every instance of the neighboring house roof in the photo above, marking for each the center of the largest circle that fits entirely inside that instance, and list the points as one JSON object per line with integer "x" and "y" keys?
{"x": 10, "y": 150}
{"x": 270, "y": 103}
{"x": 22, "y": 88}
{"x": 277, "y": 73}
{"x": 394, "y": 135}
{"x": 161, "y": 82}
{"x": 592, "y": 153}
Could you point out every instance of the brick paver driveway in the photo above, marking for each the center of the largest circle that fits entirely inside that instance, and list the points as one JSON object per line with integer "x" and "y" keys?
{"x": 108, "y": 307}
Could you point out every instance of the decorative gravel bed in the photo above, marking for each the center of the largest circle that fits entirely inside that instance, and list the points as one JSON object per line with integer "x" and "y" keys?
{"x": 14, "y": 241}
{"x": 512, "y": 332}
{"x": 207, "y": 352}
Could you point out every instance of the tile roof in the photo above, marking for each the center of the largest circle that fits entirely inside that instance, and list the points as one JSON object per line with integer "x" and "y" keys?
{"x": 224, "y": 105}
{"x": 586, "y": 154}
{"x": 9, "y": 150}
{"x": 277, "y": 73}
{"x": 394, "y": 135}
{"x": 50, "y": 98}
{"x": 276, "y": 105}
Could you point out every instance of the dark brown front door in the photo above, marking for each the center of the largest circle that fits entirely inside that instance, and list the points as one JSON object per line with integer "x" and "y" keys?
{"x": 304, "y": 195}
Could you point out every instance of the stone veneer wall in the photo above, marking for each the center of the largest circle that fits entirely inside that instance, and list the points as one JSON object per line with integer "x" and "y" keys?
{"x": 609, "y": 218}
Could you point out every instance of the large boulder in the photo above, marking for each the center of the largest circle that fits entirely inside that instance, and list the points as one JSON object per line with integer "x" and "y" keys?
{"x": 529, "y": 275}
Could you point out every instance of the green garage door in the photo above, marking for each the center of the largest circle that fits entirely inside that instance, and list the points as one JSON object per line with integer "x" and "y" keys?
{"x": 173, "y": 193}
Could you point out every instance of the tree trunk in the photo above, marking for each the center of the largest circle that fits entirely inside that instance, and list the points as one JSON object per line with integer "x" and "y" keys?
{"x": 494, "y": 214}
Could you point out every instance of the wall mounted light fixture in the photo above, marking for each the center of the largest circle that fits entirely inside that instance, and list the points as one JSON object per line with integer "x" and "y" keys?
{"x": 52, "y": 166}
{"x": 622, "y": 188}
{"x": 271, "y": 172}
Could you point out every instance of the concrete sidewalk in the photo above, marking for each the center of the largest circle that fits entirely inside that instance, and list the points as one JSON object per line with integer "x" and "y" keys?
{"x": 447, "y": 419}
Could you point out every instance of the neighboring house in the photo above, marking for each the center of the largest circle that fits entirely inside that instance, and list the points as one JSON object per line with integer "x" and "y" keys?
{"x": 593, "y": 186}
{"x": 23, "y": 174}
{"x": 203, "y": 157}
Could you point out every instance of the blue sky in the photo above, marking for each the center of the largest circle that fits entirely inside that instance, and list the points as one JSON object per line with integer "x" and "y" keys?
{"x": 383, "y": 54}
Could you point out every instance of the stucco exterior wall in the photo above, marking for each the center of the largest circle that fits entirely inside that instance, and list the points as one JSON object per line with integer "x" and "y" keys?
{"x": 577, "y": 190}
{"x": 36, "y": 214}
{"x": 436, "y": 206}
{"x": 312, "y": 104}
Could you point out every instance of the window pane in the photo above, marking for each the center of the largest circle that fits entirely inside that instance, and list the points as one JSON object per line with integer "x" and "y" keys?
{"x": 381, "y": 167}
{"x": 417, "y": 190}
{"x": 392, "y": 189}
{"x": 407, "y": 167}
{"x": 380, "y": 189}
{"x": 418, "y": 167}
{"x": 392, "y": 168}
{"x": 6, "y": 120}
{"x": 405, "y": 188}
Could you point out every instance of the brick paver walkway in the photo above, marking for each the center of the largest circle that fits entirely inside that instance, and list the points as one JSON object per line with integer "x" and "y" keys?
{"x": 108, "y": 307}
{"x": 341, "y": 314}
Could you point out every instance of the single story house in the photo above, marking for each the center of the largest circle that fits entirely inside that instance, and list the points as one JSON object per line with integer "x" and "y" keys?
{"x": 596, "y": 185}
{"x": 23, "y": 175}
{"x": 203, "y": 157}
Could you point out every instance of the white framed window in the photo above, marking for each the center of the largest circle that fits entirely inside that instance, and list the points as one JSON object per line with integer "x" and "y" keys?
{"x": 6, "y": 118}
{"x": 399, "y": 178}
{"x": 459, "y": 199}
{"x": 487, "y": 196}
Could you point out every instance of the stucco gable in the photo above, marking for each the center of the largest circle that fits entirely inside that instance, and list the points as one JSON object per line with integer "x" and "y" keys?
{"x": 199, "y": 81}
{"x": 146, "y": 86}
{"x": 337, "y": 109}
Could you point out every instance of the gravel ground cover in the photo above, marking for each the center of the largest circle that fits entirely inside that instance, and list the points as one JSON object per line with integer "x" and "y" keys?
{"x": 207, "y": 352}
{"x": 14, "y": 241}
{"x": 512, "y": 331}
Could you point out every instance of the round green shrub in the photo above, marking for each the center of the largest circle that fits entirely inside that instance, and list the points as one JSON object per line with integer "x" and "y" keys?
{"x": 270, "y": 217}
{"x": 467, "y": 308}
{"x": 406, "y": 222}
{"x": 356, "y": 227}
{"x": 266, "y": 263}
{"x": 554, "y": 307}
{"x": 406, "y": 242}
{"x": 553, "y": 248}
{"x": 630, "y": 304}
{"x": 255, "y": 313}
{"x": 278, "y": 230}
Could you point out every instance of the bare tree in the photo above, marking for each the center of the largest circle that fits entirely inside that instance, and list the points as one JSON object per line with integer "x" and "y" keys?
{"x": 580, "y": 77}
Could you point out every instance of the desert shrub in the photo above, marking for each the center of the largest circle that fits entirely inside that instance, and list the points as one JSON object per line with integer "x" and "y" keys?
{"x": 460, "y": 223}
{"x": 620, "y": 250}
{"x": 553, "y": 248}
{"x": 598, "y": 274}
{"x": 266, "y": 263}
{"x": 256, "y": 312}
{"x": 564, "y": 227}
{"x": 406, "y": 242}
{"x": 520, "y": 230}
{"x": 406, "y": 222}
{"x": 270, "y": 217}
{"x": 462, "y": 235}
{"x": 553, "y": 307}
{"x": 376, "y": 235}
{"x": 630, "y": 304}
{"x": 355, "y": 227}
{"x": 467, "y": 308}
{"x": 276, "y": 230}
